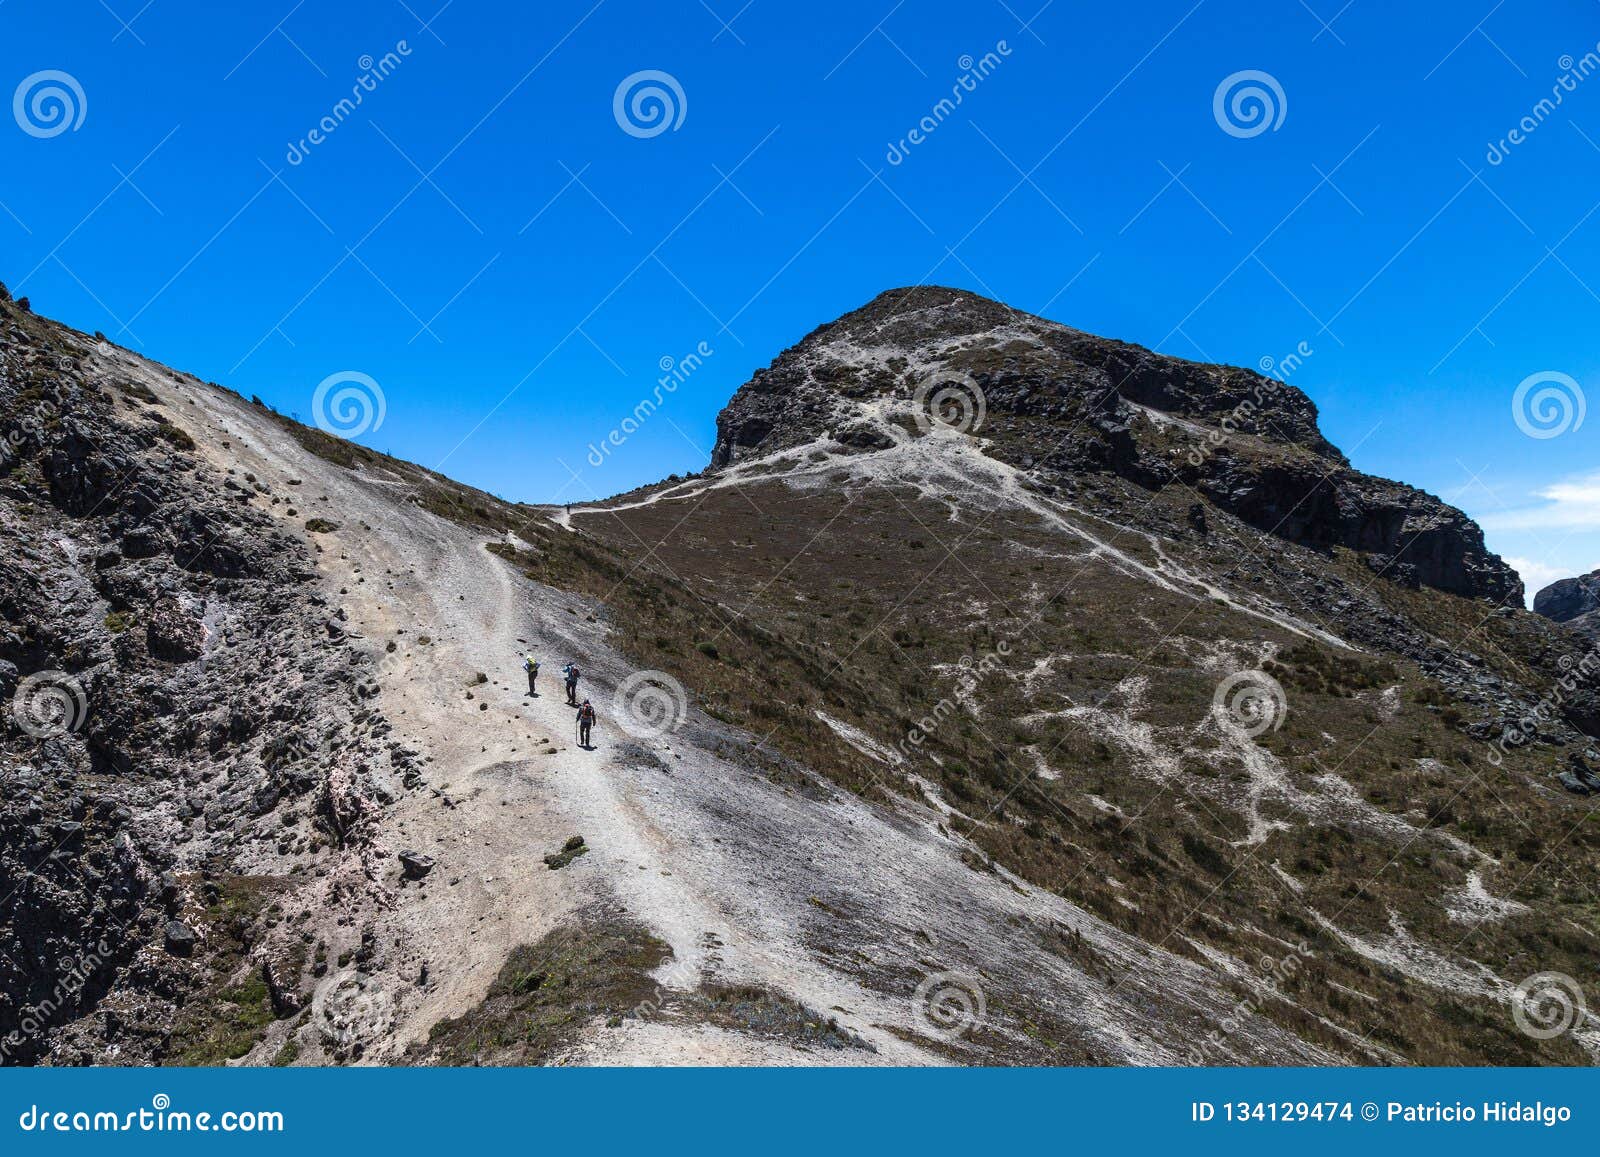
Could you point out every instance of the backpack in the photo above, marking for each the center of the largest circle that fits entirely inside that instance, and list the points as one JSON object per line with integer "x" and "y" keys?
{"x": 586, "y": 715}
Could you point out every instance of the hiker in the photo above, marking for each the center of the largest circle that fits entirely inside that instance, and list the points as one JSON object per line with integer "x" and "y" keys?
{"x": 585, "y": 722}
{"x": 531, "y": 666}
{"x": 572, "y": 684}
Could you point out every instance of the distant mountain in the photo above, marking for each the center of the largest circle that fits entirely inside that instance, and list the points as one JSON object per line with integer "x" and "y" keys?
{"x": 1573, "y": 601}
{"x": 998, "y": 694}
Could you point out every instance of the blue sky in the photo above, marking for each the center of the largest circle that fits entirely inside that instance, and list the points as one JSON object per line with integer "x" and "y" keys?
{"x": 486, "y": 240}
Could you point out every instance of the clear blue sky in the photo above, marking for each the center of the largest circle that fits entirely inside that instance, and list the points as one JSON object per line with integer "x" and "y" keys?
{"x": 483, "y": 238}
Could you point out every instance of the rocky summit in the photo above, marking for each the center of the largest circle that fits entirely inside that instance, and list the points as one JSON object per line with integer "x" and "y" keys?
{"x": 1573, "y": 601}
{"x": 997, "y": 694}
{"x": 1059, "y": 402}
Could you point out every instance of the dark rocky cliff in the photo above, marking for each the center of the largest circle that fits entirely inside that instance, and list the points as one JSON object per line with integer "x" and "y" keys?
{"x": 1573, "y": 601}
{"x": 1062, "y": 402}
{"x": 180, "y": 708}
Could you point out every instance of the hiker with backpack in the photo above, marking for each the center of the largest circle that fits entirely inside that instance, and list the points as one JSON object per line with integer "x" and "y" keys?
{"x": 571, "y": 670}
{"x": 585, "y": 723}
{"x": 531, "y": 666}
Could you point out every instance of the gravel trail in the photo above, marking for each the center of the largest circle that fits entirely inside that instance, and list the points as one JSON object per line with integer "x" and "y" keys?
{"x": 835, "y": 903}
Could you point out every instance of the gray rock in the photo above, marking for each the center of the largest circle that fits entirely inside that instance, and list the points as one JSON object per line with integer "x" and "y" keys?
{"x": 415, "y": 865}
{"x": 180, "y": 938}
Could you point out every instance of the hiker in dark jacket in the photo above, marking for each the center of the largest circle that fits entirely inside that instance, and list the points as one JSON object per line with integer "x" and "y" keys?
{"x": 572, "y": 684}
{"x": 585, "y": 723}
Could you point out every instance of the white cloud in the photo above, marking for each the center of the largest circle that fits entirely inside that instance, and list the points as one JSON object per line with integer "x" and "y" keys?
{"x": 1572, "y": 505}
{"x": 1536, "y": 575}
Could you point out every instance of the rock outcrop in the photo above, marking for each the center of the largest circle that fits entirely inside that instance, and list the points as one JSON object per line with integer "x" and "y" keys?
{"x": 1134, "y": 687}
{"x": 1573, "y": 601}
{"x": 1062, "y": 402}
{"x": 174, "y": 708}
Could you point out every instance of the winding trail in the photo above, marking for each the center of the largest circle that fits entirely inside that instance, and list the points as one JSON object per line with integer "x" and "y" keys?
{"x": 843, "y": 906}
{"x": 951, "y": 466}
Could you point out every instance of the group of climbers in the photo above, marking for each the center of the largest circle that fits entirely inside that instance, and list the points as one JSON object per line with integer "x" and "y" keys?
{"x": 586, "y": 713}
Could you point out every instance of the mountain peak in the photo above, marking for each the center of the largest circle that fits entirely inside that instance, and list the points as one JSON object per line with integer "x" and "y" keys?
{"x": 1020, "y": 363}
{"x": 1065, "y": 405}
{"x": 1573, "y": 601}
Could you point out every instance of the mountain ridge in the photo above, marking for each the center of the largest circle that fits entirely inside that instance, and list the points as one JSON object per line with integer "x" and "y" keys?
{"x": 925, "y": 729}
{"x": 1247, "y": 442}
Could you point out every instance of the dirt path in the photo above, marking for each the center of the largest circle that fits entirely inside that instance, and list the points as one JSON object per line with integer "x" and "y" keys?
{"x": 514, "y": 783}
{"x": 814, "y": 895}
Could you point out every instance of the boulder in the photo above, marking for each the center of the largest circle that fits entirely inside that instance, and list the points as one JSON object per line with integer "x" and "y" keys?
{"x": 415, "y": 865}
{"x": 180, "y": 938}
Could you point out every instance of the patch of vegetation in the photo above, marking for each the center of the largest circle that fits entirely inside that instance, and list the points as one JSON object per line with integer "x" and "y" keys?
{"x": 321, "y": 526}
{"x": 570, "y": 851}
{"x": 762, "y": 1012}
{"x": 546, "y": 992}
{"x": 230, "y": 1012}
{"x": 597, "y": 969}
{"x": 1320, "y": 669}
{"x": 430, "y": 491}
{"x": 139, "y": 392}
{"x": 177, "y": 438}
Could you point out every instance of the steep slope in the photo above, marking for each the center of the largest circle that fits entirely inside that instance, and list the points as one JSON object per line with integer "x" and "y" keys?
{"x": 909, "y": 752}
{"x": 305, "y": 940}
{"x": 1034, "y": 578}
{"x": 178, "y": 696}
{"x": 1063, "y": 402}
